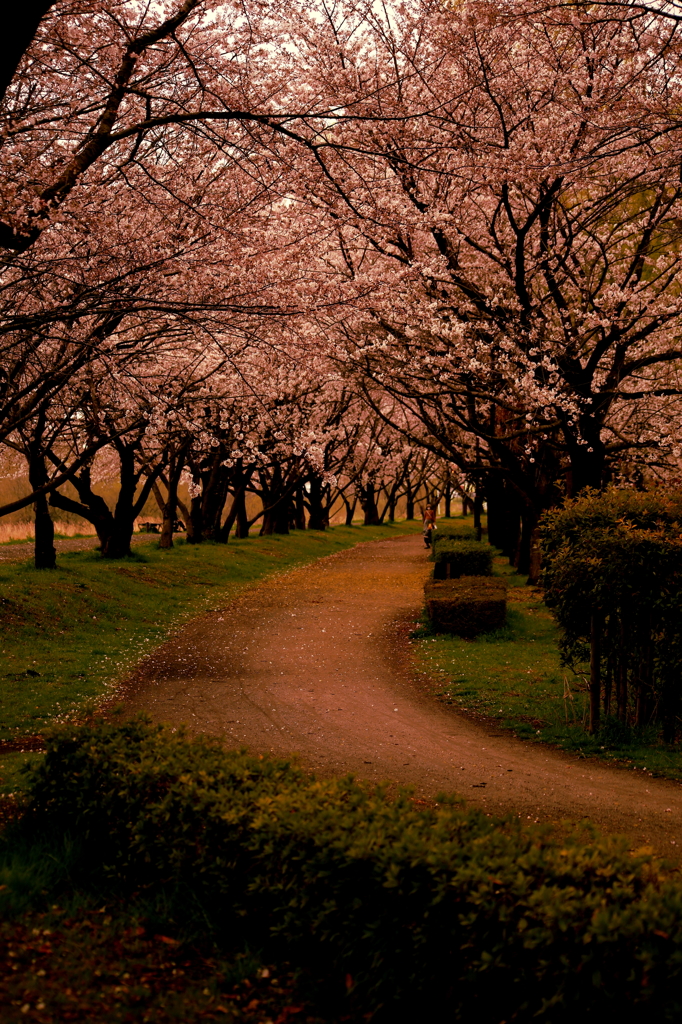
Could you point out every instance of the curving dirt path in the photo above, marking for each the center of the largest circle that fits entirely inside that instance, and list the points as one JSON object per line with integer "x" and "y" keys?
{"x": 317, "y": 661}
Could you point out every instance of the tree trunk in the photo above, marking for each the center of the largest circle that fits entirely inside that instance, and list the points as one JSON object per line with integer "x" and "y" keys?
{"x": 409, "y": 502}
{"x": 169, "y": 510}
{"x": 447, "y": 494}
{"x": 596, "y": 626}
{"x": 92, "y": 508}
{"x": 316, "y": 517}
{"x": 369, "y": 505}
{"x": 350, "y": 509}
{"x": 299, "y": 517}
{"x": 276, "y": 518}
{"x": 621, "y": 691}
{"x": 117, "y": 544}
{"x": 195, "y": 530}
{"x": 214, "y": 496}
{"x": 241, "y": 530}
{"x": 478, "y": 506}
{"x": 522, "y": 555}
{"x": 44, "y": 553}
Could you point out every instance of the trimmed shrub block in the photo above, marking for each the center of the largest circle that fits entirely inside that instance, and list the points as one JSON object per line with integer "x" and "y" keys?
{"x": 455, "y": 558}
{"x": 467, "y": 606}
{"x": 453, "y": 531}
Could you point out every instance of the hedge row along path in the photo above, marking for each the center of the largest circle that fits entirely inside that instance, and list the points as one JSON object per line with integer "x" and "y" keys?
{"x": 318, "y": 662}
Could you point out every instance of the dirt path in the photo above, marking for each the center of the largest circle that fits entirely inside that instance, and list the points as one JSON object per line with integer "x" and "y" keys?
{"x": 317, "y": 661}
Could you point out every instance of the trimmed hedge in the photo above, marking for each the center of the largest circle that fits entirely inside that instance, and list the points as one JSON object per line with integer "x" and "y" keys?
{"x": 453, "y": 531}
{"x": 468, "y": 606}
{"x": 392, "y": 910}
{"x": 462, "y": 558}
{"x": 613, "y": 578}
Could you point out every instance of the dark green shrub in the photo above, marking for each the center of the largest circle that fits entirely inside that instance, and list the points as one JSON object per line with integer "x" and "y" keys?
{"x": 467, "y": 606}
{"x": 613, "y": 577}
{"x": 415, "y": 910}
{"x": 453, "y": 531}
{"x": 462, "y": 558}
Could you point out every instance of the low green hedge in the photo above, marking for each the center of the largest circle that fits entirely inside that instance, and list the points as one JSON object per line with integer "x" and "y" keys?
{"x": 453, "y": 531}
{"x": 393, "y": 910}
{"x": 462, "y": 558}
{"x": 467, "y": 606}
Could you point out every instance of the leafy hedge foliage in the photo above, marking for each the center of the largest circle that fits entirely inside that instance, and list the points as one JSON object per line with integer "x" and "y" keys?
{"x": 613, "y": 577}
{"x": 453, "y": 531}
{"x": 467, "y": 606}
{"x": 388, "y": 907}
{"x": 462, "y": 558}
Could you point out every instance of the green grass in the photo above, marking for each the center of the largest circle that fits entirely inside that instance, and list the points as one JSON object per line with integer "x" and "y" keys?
{"x": 514, "y": 677}
{"x": 69, "y": 635}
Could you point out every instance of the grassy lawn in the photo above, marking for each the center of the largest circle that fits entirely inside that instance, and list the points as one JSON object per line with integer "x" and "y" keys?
{"x": 69, "y": 635}
{"x": 514, "y": 677}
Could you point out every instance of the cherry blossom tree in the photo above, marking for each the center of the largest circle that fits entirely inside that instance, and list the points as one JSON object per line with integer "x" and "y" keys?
{"x": 507, "y": 200}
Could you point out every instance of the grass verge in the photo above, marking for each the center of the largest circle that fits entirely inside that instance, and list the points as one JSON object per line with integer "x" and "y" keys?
{"x": 514, "y": 677}
{"x": 70, "y": 635}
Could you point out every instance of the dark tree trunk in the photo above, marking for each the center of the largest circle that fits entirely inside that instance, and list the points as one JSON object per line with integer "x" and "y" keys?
{"x": 169, "y": 509}
{"x": 447, "y": 495}
{"x": 237, "y": 513}
{"x": 522, "y": 560}
{"x": 596, "y": 627}
{"x": 317, "y": 519}
{"x": 91, "y": 507}
{"x": 504, "y": 516}
{"x": 587, "y": 461}
{"x": 195, "y": 531}
{"x": 622, "y": 677}
{"x": 117, "y": 544}
{"x": 214, "y": 496}
{"x": 114, "y": 530}
{"x": 44, "y": 554}
{"x": 185, "y": 516}
{"x": 276, "y": 498}
{"x": 497, "y": 511}
{"x": 409, "y": 502}
{"x": 369, "y": 505}
{"x": 299, "y": 518}
{"x": 276, "y": 518}
{"x": 478, "y": 508}
{"x": 241, "y": 530}
{"x": 350, "y": 509}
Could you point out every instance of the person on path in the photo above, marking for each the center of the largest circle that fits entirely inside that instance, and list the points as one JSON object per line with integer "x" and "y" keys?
{"x": 429, "y": 524}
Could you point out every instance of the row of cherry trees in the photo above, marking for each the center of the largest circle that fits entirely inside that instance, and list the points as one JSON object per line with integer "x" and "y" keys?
{"x": 325, "y": 253}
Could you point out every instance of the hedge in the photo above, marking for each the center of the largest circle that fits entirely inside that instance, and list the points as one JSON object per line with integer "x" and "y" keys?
{"x": 613, "y": 578}
{"x": 453, "y": 531}
{"x": 391, "y": 909}
{"x": 462, "y": 558}
{"x": 467, "y": 606}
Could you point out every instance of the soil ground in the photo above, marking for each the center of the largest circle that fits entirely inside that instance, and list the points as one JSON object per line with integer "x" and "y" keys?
{"x": 317, "y": 662}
